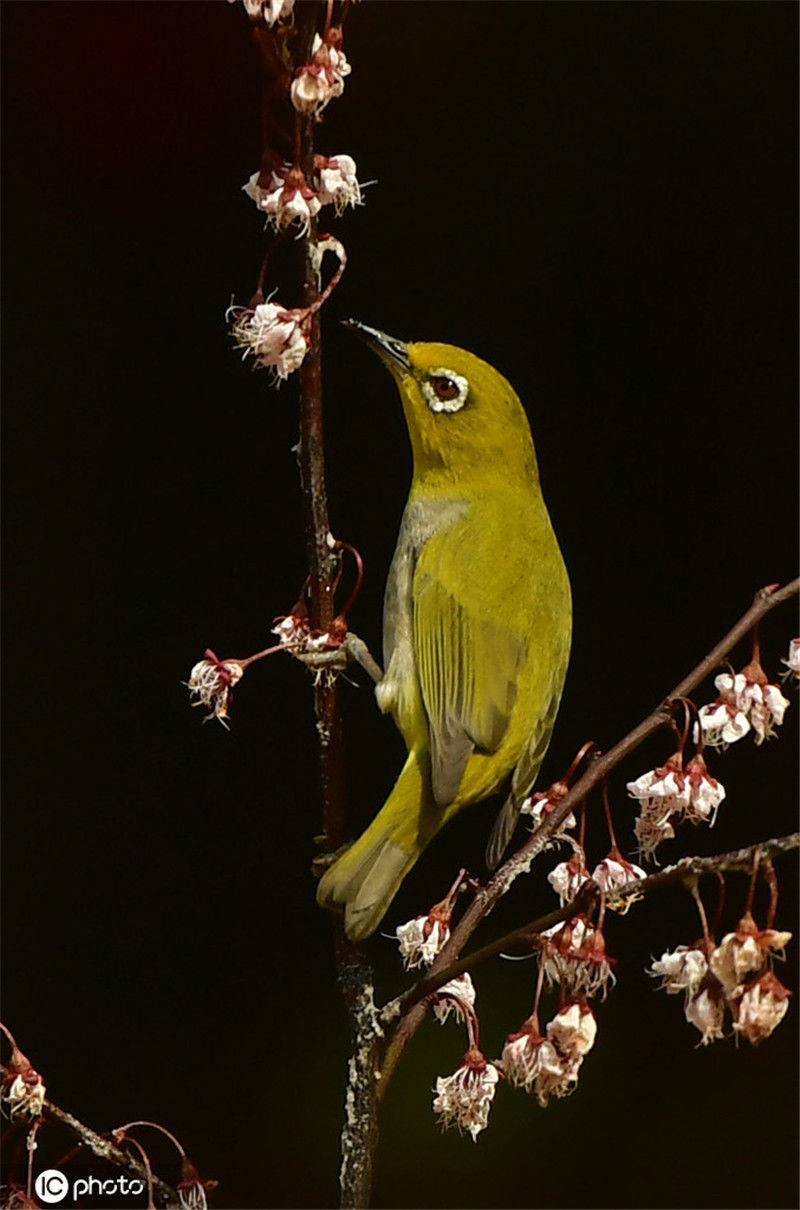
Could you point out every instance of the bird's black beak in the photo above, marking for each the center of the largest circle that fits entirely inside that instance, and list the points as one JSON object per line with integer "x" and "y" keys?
{"x": 392, "y": 351}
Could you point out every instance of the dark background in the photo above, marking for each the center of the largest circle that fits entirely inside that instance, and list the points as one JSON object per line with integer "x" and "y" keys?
{"x": 599, "y": 199}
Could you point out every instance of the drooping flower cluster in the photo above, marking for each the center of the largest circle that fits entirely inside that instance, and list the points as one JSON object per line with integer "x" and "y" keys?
{"x": 746, "y": 701}
{"x": 211, "y": 681}
{"x": 548, "y": 1065}
{"x": 544, "y": 802}
{"x": 319, "y": 81}
{"x": 734, "y": 978}
{"x": 272, "y": 335}
{"x": 22, "y": 1091}
{"x": 615, "y": 872}
{"x": 574, "y": 955}
{"x": 287, "y": 199}
{"x": 421, "y": 939}
{"x": 671, "y": 792}
{"x": 463, "y": 1099}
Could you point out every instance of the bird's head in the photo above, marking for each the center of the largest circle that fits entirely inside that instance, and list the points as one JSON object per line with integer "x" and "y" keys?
{"x": 463, "y": 417}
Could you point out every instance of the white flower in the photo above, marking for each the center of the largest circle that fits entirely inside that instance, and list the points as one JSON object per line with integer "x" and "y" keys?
{"x": 267, "y": 196}
{"x": 291, "y": 630}
{"x": 706, "y": 1012}
{"x": 651, "y": 828}
{"x": 573, "y": 1030}
{"x": 568, "y": 877}
{"x": 526, "y": 1055}
{"x": 575, "y": 957}
{"x": 662, "y": 790}
{"x": 311, "y": 90}
{"x": 541, "y": 804}
{"x": 286, "y": 198}
{"x": 745, "y": 700}
{"x": 297, "y": 204}
{"x": 745, "y": 952}
{"x": 457, "y": 996}
{"x": 271, "y": 335}
{"x": 25, "y": 1095}
{"x": 793, "y": 661}
{"x": 557, "y": 1076}
{"x": 683, "y": 970}
{"x": 464, "y": 1099}
{"x": 767, "y": 709}
{"x": 270, "y": 10}
{"x": 613, "y": 873}
{"x": 420, "y": 940}
{"x": 705, "y": 792}
{"x": 315, "y": 83}
{"x": 722, "y": 723}
{"x": 338, "y": 184}
{"x": 211, "y": 681}
{"x": 760, "y": 1008}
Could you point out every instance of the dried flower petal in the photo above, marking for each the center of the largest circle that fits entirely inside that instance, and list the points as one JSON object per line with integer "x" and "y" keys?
{"x": 706, "y": 1011}
{"x": 759, "y": 1008}
{"x": 463, "y": 1100}
{"x": 211, "y": 681}
{"x": 573, "y": 1029}
{"x": 569, "y": 876}
{"x": 457, "y": 996}
{"x": 269, "y": 11}
{"x": 420, "y": 940}
{"x": 745, "y": 952}
{"x": 526, "y": 1054}
{"x": 337, "y": 182}
{"x": 792, "y": 662}
{"x": 271, "y": 335}
{"x": 683, "y": 970}
{"x": 613, "y": 873}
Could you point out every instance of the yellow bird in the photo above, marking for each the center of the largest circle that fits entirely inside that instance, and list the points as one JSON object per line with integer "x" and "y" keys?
{"x": 477, "y": 620}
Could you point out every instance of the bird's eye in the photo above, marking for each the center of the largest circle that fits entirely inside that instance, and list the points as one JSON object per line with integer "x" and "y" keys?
{"x": 445, "y": 391}
{"x": 445, "y": 388}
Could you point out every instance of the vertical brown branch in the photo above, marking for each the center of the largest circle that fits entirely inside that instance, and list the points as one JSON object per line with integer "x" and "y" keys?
{"x": 360, "y": 1131}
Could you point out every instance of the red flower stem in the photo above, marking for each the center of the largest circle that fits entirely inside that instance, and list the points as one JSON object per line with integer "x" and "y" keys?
{"x": 755, "y": 655}
{"x": 589, "y": 747}
{"x": 607, "y": 808}
{"x": 149, "y": 1171}
{"x": 768, "y": 872}
{"x": 538, "y": 993}
{"x": 359, "y": 576}
{"x": 451, "y": 894}
{"x": 155, "y": 1126}
{"x": 720, "y": 904}
{"x": 701, "y": 911}
{"x": 582, "y": 832}
{"x": 751, "y": 890}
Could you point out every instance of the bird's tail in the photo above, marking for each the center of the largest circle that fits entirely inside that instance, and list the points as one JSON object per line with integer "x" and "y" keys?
{"x": 365, "y": 879}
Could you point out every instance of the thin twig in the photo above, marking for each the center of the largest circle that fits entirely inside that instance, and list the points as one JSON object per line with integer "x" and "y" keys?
{"x": 688, "y": 868}
{"x": 105, "y": 1149}
{"x": 486, "y": 897}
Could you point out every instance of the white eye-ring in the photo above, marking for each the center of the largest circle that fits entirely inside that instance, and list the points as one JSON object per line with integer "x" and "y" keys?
{"x": 445, "y": 390}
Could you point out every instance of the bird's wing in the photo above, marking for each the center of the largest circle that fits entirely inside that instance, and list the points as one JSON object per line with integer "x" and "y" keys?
{"x": 522, "y": 784}
{"x": 467, "y": 664}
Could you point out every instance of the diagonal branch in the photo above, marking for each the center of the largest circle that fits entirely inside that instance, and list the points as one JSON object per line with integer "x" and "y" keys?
{"x": 105, "y": 1149}
{"x": 487, "y": 896}
{"x": 685, "y": 870}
